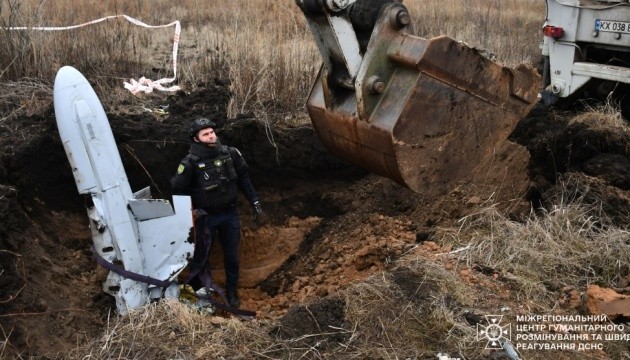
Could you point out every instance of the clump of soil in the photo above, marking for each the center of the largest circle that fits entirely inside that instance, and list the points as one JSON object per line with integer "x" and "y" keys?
{"x": 331, "y": 224}
{"x": 317, "y": 318}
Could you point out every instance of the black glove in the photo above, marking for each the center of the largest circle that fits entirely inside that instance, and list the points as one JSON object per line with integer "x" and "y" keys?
{"x": 259, "y": 215}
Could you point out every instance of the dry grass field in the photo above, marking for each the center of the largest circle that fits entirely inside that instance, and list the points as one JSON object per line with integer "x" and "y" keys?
{"x": 422, "y": 298}
{"x": 263, "y": 47}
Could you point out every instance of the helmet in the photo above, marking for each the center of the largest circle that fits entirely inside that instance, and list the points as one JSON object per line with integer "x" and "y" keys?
{"x": 200, "y": 124}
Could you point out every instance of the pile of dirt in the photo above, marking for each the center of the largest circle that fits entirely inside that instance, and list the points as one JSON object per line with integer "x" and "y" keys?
{"x": 331, "y": 224}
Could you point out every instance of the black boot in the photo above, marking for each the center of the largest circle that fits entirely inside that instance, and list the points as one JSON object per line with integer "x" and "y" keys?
{"x": 232, "y": 297}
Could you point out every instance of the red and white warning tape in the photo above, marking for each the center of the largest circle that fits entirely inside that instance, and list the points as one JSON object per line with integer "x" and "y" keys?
{"x": 143, "y": 84}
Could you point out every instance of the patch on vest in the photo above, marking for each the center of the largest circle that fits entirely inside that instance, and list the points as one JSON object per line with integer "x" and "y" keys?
{"x": 218, "y": 162}
{"x": 180, "y": 169}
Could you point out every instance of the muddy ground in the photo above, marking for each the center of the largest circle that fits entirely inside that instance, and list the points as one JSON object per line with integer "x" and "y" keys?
{"x": 331, "y": 224}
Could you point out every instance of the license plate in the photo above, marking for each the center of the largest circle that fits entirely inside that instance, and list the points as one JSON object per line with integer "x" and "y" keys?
{"x": 612, "y": 26}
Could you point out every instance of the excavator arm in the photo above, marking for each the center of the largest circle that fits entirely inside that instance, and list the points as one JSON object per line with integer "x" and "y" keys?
{"x": 422, "y": 112}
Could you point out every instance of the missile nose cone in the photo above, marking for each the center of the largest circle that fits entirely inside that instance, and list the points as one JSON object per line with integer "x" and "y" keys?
{"x": 68, "y": 76}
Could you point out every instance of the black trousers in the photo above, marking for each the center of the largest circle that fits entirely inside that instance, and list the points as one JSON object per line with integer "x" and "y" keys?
{"x": 227, "y": 226}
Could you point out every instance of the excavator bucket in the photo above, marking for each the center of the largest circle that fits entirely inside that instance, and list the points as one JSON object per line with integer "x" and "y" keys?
{"x": 422, "y": 112}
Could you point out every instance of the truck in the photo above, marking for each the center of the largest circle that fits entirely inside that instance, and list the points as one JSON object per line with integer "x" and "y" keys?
{"x": 586, "y": 50}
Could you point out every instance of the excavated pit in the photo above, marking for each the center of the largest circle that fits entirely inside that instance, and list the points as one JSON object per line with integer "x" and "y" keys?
{"x": 331, "y": 224}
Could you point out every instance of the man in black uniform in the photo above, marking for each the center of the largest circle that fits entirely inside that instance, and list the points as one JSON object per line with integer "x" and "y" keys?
{"x": 211, "y": 175}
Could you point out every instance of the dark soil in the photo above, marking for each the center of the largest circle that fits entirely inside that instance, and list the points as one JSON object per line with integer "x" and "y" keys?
{"x": 320, "y": 207}
{"x": 325, "y": 316}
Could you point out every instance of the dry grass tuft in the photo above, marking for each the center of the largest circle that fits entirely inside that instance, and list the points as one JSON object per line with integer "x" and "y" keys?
{"x": 172, "y": 330}
{"x": 603, "y": 117}
{"x": 571, "y": 244}
{"x": 409, "y": 313}
{"x": 24, "y": 97}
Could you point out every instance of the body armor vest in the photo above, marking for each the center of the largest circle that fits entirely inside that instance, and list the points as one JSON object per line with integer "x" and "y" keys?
{"x": 214, "y": 187}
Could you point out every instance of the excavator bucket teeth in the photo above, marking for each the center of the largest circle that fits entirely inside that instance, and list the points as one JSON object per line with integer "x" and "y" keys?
{"x": 423, "y": 112}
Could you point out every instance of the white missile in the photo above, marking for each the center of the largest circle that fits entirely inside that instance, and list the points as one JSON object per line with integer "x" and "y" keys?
{"x": 143, "y": 236}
